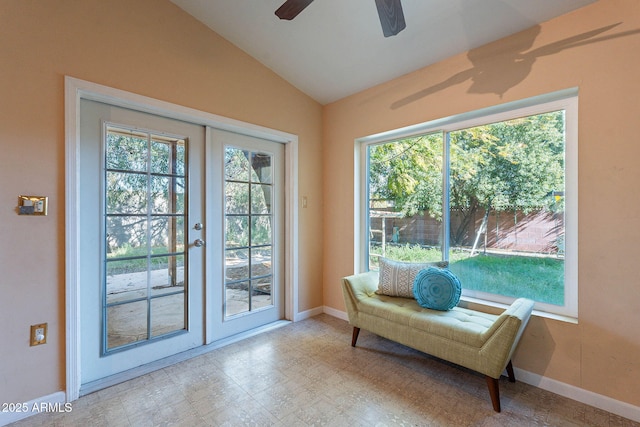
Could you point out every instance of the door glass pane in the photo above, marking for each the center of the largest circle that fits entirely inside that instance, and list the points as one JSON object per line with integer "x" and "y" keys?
{"x": 262, "y": 272}
{"x": 261, "y": 262}
{"x": 126, "y": 150}
{"x": 260, "y": 230}
{"x": 127, "y": 323}
{"x": 261, "y": 167}
{"x": 126, "y": 280}
{"x": 237, "y": 231}
{"x": 237, "y": 197}
{"x": 126, "y": 235}
{"x": 261, "y": 295}
{"x": 167, "y": 194}
{"x": 236, "y": 166}
{"x": 260, "y": 199}
{"x": 248, "y": 228}
{"x": 237, "y": 298}
{"x": 166, "y": 274}
{"x": 167, "y": 234}
{"x": 167, "y": 314}
{"x": 168, "y": 157}
{"x": 236, "y": 265}
{"x": 144, "y": 236}
{"x": 126, "y": 193}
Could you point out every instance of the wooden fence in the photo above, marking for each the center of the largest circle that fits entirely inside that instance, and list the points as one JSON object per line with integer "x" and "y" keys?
{"x": 539, "y": 231}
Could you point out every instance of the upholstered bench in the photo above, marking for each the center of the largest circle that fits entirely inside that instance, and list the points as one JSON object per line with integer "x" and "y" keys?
{"x": 475, "y": 340}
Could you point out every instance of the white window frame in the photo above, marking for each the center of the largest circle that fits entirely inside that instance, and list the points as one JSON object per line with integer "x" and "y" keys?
{"x": 566, "y": 100}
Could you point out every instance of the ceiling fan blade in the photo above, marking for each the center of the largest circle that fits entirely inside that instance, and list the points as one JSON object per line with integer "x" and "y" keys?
{"x": 291, "y": 8}
{"x": 391, "y": 17}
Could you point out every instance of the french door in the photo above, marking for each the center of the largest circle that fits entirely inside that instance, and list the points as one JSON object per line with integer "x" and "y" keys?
{"x": 248, "y": 208}
{"x": 179, "y": 245}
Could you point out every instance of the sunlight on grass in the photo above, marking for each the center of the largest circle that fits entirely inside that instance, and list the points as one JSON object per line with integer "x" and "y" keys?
{"x": 407, "y": 253}
{"x": 538, "y": 278}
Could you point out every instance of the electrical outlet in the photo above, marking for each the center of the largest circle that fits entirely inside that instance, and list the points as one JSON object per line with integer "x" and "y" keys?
{"x": 38, "y": 334}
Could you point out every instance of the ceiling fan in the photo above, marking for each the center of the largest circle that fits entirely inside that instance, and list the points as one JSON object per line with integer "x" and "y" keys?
{"x": 389, "y": 11}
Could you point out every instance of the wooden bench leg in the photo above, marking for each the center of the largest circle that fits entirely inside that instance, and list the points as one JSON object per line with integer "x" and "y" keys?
{"x": 512, "y": 376}
{"x": 494, "y": 386}
{"x": 354, "y": 337}
{"x": 494, "y": 392}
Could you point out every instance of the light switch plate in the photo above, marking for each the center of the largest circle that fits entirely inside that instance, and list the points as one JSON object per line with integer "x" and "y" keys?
{"x": 32, "y": 205}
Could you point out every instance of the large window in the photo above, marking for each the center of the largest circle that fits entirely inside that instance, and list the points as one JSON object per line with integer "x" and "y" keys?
{"x": 492, "y": 193}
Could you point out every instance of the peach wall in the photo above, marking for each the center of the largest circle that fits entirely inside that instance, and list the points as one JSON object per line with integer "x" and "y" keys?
{"x": 595, "y": 49}
{"x": 148, "y": 47}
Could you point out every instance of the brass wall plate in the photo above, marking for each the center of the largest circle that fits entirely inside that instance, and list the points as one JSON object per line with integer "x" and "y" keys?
{"x": 38, "y": 334}
{"x": 32, "y": 205}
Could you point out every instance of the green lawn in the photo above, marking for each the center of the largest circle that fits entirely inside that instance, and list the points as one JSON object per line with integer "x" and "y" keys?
{"x": 537, "y": 278}
{"x": 115, "y": 266}
{"x": 540, "y": 279}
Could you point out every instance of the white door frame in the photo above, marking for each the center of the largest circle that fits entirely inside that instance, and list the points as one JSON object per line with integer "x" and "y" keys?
{"x": 76, "y": 89}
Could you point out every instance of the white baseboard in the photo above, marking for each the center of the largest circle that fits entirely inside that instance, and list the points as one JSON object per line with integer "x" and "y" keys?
{"x": 587, "y": 397}
{"x": 307, "y": 314}
{"x": 335, "y": 313}
{"x": 17, "y": 411}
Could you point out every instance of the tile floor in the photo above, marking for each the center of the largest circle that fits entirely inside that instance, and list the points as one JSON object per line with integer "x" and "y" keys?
{"x": 307, "y": 374}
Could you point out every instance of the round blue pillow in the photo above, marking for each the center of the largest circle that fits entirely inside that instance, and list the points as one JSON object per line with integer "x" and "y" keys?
{"x": 437, "y": 289}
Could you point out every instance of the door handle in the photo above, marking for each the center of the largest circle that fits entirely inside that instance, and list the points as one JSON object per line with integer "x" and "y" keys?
{"x": 198, "y": 243}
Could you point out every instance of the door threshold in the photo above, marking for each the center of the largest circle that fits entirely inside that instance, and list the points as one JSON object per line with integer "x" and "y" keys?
{"x": 111, "y": 380}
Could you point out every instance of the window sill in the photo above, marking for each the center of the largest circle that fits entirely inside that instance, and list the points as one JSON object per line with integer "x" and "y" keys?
{"x": 492, "y": 306}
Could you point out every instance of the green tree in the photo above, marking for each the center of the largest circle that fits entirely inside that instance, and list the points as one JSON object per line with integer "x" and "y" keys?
{"x": 515, "y": 164}
{"x": 510, "y": 165}
{"x": 409, "y": 174}
{"x": 144, "y": 173}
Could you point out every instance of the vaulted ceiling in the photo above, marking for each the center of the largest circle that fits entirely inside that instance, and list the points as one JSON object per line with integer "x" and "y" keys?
{"x": 335, "y": 48}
